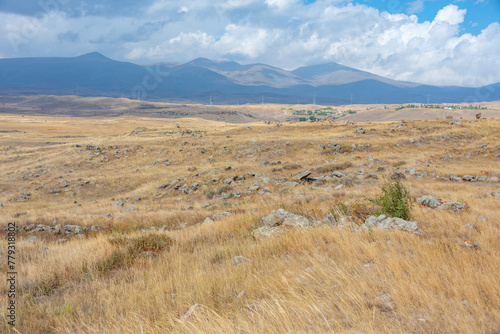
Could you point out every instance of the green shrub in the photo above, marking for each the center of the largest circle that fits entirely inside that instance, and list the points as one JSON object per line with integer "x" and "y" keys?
{"x": 395, "y": 200}
{"x": 116, "y": 260}
{"x": 400, "y": 163}
{"x": 224, "y": 189}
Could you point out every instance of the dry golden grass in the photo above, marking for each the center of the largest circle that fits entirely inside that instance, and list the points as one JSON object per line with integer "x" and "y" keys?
{"x": 315, "y": 280}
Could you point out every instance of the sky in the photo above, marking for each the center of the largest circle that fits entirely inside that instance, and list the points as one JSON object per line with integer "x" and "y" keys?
{"x": 438, "y": 42}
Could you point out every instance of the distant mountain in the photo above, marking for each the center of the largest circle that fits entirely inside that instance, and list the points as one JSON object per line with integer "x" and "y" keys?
{"x": 226, "y": 82}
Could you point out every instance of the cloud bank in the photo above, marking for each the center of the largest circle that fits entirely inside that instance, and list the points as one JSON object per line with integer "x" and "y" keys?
{"x": 283, "y": 33}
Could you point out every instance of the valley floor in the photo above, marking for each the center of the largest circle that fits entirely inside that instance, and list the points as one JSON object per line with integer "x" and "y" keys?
{"x": 146, "y": 225}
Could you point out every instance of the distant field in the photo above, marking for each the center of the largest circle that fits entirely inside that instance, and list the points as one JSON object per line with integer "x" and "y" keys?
{"x": 137, "y": 224}
{"x": 247, "y": 113}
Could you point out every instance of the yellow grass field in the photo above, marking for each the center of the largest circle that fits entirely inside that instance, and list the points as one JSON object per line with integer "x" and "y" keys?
{"x": 123, "y": 276}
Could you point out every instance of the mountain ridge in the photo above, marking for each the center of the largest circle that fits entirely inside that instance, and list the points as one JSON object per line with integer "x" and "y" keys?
{"x": 94, "y": 74}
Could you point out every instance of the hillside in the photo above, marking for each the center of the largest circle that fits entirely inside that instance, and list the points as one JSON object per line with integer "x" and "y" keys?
{"x": 227, "y": 82}
{"x": 130, "y": 225}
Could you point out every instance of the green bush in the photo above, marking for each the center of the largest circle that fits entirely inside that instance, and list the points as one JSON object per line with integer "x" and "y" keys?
{"x": 116, "y": 260}
{"x": 395, "y": 200}
{"x": 400, "y": 163}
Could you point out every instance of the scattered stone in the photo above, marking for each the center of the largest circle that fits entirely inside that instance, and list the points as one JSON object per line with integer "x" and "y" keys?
{"x": 337, "y": 174}
{"x": 360, "y": 131}
{"x": 62, "y": 240}
{"x": 429, "y": 201}
{"x": 227, "y": 167}
{"x": 190, "y": 312}
{"x": 302, "y": 175}
{"x": 254, "y": 187}
{"x": 455, "y": 206}
{"x": 384, "y": 302}
{"x": 495, "y": 193}
{"x": 208, "y": 220}
{"x": 131, "y": 208}
{"x": 238, "y": 260}
{"x": 31, "y": 240}
{"x": 398, "y": 176}
{"x": 221, "y": 215}
{"x": 119, "y": 203}
{"x": 278, "y": 220}
{"x": 382, "y": 222}
{"x": 284, "y": 218}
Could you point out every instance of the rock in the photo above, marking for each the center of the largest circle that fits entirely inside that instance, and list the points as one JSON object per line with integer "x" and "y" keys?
{"x": 208, "y": 220}
{"x": 340, "y": 186}
{"x": 321, "y": 147}
{"x": 384, "y": 302}
{"x": 106, "y": 215}
{"x": 238, "y": 260}
{"x": 384, "y": 223}
{"x": 277, "y": 221}
{"x": 291, "y": 184}
{"x": 254, "y": 187}
{"x": 302, "y": 175}
{"x": 131, "y": 208}
{"x": 335, "y": 146}
{"x": 412, "y": 141}
{"x": 337, "y": 174}
{"x": 360, "y": 131}
{"x": 495, "y": 193}
{"x": 467, "y": 177}
{"x": 227, "y": 167}
{"x": 429, "y": 201}
{"x": 264, "y": 190}
{"x": 221, "y": 215}
{"x": 190, "y": 312}
{"x": 31, "y": 240}
{"x": 398, "y": 176}
{"x": 62, "y": 240}
{"x": 284, "y": 218}
{"x": 119, "y": 203}
{"x": 455, "y": 206}
{"x": 455, "y": 178}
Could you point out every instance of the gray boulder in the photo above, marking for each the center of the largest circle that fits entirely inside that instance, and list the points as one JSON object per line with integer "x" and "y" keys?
{"x": 284, "y": 218}
{"x": 455, "y": 206}
{"x": 221, "y": 215}
{"x": 302, "y": 175}
{"x": 385, "y": 223}
{"x": 495, "y": 193}
{"x": 429, "y": 201}
{"x": 278, "y": 221}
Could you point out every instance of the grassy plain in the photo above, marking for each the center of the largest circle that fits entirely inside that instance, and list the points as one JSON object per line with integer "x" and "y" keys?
{"x": 316, "y": 280}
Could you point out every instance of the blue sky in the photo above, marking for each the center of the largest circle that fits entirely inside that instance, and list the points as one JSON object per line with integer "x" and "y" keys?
{"x": 480, "y": 13}
{"x": 439, "y": 42}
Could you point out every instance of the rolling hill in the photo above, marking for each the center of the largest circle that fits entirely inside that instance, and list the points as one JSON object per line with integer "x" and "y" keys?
{"x": 226, "y": 82}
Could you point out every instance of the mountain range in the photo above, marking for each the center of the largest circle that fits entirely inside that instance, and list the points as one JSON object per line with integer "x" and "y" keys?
{"x": 221, "y": 82}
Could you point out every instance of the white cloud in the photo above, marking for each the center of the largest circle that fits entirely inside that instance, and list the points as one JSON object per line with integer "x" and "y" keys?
{"x": 283, "y": 33}
{"x": 451, "y": 14}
